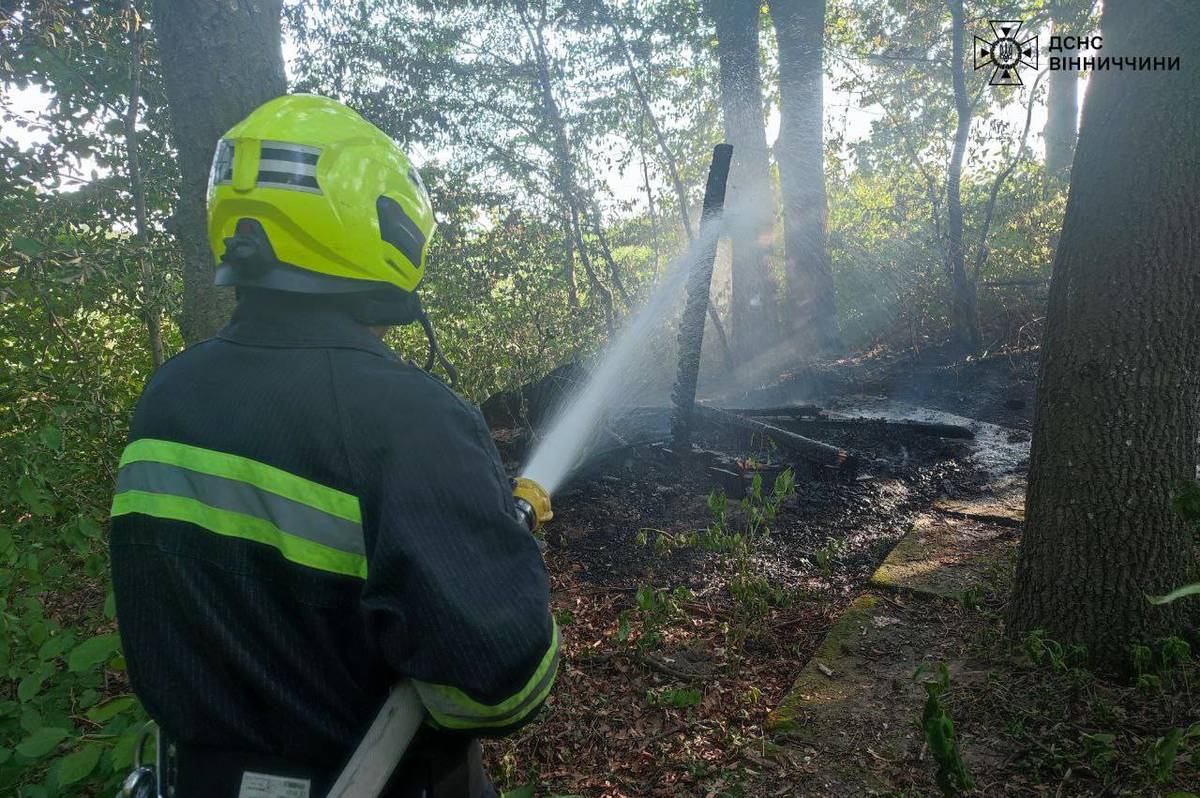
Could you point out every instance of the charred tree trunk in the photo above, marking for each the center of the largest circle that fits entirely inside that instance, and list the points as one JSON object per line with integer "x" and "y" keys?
{"x": 1062, "y": 100}
{"x": 749, "y": 214}
{"x": 963, "y": 313}
{"x": 800, "y": 153}
{"x": 672, "y": 164}
{"x": 1115, "y": 422}
{"x": 699, "y": 283}
{"x": 221, "y": 59}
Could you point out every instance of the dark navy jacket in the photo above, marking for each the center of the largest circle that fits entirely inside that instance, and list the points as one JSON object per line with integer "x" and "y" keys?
{"x": 302, "y": 519}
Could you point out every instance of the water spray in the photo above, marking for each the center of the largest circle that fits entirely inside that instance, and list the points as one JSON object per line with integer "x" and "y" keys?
{"x": 574, "y": 427}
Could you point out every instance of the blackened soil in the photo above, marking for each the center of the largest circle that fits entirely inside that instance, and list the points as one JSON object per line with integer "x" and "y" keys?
{"x": 998, "y": 388}
{"x": 838, "y": 526}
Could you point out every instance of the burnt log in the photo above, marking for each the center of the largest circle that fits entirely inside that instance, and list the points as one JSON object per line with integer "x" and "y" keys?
{"x": 932, "y": 429}
{"x": 786, "y": 411}
{"x": 815, "y": 452}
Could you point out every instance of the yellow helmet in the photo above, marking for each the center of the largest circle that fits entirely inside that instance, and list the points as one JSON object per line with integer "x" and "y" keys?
{"x": 307, "y": 196}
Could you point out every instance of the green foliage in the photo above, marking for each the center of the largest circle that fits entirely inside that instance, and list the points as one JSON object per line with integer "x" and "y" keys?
{"x": 674, "y": 698}
{"x": 938, "y": 728}
{"x": 1163, "y": 752}
{"x": 656, "y": 606}
{"x": 825, "y": 555}
{"x": 1169, "y": 663}
{"x": 1050, "y": 653}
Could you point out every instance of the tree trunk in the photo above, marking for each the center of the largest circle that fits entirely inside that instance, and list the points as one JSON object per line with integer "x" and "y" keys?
{"x": 749, "y": 208}
{"x": 564, "y": 162}
{"x": 1115, "y": 421}
{"x": 137, "y": 189}
{"x": 963, "y": 314}
{"x": 569, "y": 264}
{"x": 221, "y": 59}
{"x": 1062, "y": 101}
{"x": 672, "y": 169}
{"x": 800, "y": 31}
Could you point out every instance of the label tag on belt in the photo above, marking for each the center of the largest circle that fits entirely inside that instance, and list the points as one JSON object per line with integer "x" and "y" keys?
{"x": 262, "y": 785}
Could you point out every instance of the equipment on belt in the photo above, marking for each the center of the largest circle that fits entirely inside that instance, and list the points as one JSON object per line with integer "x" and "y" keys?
{"x": 383, "y": 746}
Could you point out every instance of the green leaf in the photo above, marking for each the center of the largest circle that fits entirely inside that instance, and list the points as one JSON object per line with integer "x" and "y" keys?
{"x": 91, "y": 653}
{"x": 111, "y": 708}
{"x": 41, "y": 742}
{"x": 1178, "y": 593}
{"x": 122, "y": 753}
{"x": 51, "y": 436}
{"x": 33, "y": 497}
{"x": 89, "y": 528}
{"x": 55, "y": 646}
{"x": 27, "y": 246}
{"x": 31, "y": 685}
{"x": 73, "y": 767}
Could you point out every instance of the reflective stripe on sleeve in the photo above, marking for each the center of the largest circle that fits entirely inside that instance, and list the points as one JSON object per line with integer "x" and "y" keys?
{"x": 308, "y": 523}
{"x": 261, "y": 475}
{"x": 451, "y": 708}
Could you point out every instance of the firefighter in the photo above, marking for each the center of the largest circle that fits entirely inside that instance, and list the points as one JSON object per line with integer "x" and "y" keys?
{"x": 301, "y": 517}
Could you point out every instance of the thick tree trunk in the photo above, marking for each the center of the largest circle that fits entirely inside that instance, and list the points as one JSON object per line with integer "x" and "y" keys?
{"x": 1068, "y": 18}
{"x": 1062, "y": 110}
{"x": 800, "y": 31}
{"x": 1115, "y": 421}
{"x": 963, "y": 313}
{"x": 749, "y": 207}
{"x": 220, "y": 60}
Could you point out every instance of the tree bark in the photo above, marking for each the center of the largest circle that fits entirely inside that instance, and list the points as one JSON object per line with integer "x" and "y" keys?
{"x": 1115, "y": 420}
{"x": 800, "y": 153}
{"x": 221, "y": 59}
{"x": 963, "y": 313}
{"x": 137, "y": 189}
{"x": 560, "y": 149}
{"x": 749, "y": 208}
{"x": 1062, "y": 100}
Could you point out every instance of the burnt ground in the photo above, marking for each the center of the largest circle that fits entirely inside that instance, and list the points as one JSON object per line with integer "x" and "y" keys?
{"x": 996, "y": 387}
{"x": 623, "y": 719}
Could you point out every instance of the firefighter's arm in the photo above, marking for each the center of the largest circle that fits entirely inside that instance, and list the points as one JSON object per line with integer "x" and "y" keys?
{"x": 457, "y": 596}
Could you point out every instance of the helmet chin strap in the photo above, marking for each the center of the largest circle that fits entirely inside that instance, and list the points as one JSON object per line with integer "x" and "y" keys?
{"x": 435, "y": 349}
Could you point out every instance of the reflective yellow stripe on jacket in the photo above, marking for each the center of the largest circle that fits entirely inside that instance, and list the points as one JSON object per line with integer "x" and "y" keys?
{"x": 308, "y": 523}
{"x": 451, "y": 708}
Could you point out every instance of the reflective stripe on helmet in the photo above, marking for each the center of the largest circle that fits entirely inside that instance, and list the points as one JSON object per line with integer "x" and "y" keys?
{"x": 308, "y": 523}
{"x": 451, "y": 708}
{"x": 288, "y": 166}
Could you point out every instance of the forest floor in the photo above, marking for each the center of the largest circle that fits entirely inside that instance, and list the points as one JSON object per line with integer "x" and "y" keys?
{"x": 687, "y": 624}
